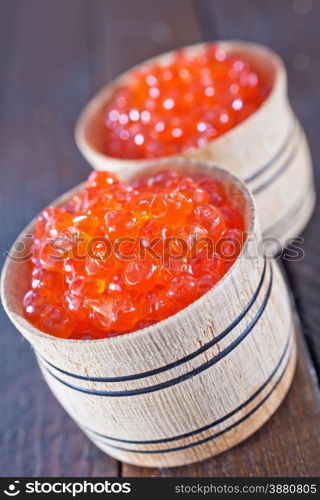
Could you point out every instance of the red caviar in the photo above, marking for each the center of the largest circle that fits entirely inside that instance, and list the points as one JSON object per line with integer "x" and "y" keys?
{"x": 164, "y": 110}
{"x": 119, "y": 257}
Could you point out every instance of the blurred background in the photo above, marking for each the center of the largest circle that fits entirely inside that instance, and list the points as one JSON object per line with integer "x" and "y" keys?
{"x": 54, "y": 55}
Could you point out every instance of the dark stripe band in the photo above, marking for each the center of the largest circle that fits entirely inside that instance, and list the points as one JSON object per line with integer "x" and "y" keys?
{"x": 277, "y": 155}
{"x": 182, "y": 378}
{"x": 217, "y": 434}
{"x": 178, "y": 362}
{"x": 208, "y": 426}
{"x": 286, "y": 164}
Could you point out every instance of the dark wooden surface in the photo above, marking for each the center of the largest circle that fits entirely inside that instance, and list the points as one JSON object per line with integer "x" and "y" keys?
{"x": 53, "y": 57}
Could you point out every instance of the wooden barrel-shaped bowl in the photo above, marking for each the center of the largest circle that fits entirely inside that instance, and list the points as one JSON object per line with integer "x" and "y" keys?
{"x": 268, "y": 150}
{"x": 185, "y": 388}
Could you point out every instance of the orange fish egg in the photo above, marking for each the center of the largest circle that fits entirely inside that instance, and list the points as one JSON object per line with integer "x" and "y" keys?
{"x": 163, "y": 110}
{"x": 168, "y": 241}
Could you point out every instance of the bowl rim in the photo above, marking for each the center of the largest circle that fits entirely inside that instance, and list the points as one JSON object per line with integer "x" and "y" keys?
{"x": 22, "y": 324}
{"x": 95, "y": 103}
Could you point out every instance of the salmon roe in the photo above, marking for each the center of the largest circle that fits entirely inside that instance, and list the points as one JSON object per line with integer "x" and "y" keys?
{"x": 119, "y": 257}
{"x": 164, "y": 110}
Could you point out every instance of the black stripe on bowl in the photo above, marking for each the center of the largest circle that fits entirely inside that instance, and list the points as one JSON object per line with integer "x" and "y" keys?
{"x": 178, "y": 437}
{"x": 182, "y": 378}
{"x": 217, "y": 434}
{"x": 285, "y": 165}
{"x": 178, "y": 362}
{"x": 284, "y": 146}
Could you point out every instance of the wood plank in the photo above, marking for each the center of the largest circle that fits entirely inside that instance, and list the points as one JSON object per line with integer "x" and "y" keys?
{"x": 291, "y": 29}
{"x": 287, "y": 445}
{"x": 44, "y": 83}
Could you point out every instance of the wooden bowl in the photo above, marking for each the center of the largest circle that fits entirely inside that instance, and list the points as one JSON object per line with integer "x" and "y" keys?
{"x": 190, "y": 386}
{"x": 268, "y": 150}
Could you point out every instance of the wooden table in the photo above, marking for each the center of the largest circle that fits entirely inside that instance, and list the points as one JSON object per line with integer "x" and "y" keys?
{"x": 54, "y": 55}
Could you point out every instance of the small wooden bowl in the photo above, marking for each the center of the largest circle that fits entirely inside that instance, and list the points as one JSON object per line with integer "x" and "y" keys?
{"x": 268, "y": 150}
{"x": 190, "y": 386}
